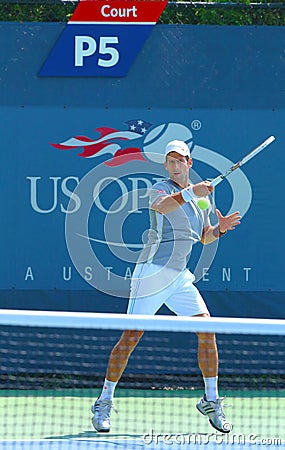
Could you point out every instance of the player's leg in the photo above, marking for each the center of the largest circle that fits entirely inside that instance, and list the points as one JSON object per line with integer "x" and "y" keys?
{"x": 210, "y": 404}
{"x": 142, "y": 301}
{"x": 117, "y": 363}
{"x": 208, "y": 362}
{"x": 119, "y": 357}
{"x": 187, "y": 301}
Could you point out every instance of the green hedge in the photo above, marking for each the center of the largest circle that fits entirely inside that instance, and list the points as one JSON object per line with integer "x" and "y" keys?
{"x": 225, "y": 15}
{"x": 36, "y": 13}
{"x": 217, "y": 14}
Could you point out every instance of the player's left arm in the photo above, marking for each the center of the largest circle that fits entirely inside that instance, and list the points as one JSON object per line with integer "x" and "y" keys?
{"x": 226, "y": 223}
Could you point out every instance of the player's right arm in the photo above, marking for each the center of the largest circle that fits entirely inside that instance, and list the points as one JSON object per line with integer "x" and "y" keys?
{"x": 167, "y": 203}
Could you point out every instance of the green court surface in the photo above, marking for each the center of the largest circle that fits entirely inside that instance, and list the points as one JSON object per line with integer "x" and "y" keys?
{"x": 146, "y": 419}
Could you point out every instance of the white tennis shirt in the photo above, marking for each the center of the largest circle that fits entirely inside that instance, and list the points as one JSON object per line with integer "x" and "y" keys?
{"x": 172, "y": 235}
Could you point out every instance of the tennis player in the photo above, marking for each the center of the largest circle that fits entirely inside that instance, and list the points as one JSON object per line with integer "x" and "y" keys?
{"x": 161, "y": 277}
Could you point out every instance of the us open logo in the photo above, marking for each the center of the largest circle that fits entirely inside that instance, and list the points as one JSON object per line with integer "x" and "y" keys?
{"x": 105, "y": 235}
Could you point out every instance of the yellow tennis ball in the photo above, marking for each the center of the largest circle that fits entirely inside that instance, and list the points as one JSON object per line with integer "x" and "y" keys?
{"x": 203, "y": 203}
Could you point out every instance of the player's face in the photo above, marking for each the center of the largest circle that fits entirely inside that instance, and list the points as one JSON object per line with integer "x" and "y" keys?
{"x": 178, "y": 167}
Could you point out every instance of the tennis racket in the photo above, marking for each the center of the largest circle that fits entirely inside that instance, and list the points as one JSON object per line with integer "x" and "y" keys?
{"x": 244, "y": 160}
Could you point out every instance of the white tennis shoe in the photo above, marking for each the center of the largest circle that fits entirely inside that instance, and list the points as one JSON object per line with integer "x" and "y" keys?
{"x": 102, "y": 413}
{"x": 215, "y": 413}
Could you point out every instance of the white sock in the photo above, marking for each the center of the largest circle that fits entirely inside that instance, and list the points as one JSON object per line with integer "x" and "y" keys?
{"x": 108, "y": 390}
{"x": 211, "y": 388}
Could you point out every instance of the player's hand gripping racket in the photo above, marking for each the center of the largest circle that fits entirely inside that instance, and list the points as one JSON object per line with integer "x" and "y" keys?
{"x": 244, "y": 160}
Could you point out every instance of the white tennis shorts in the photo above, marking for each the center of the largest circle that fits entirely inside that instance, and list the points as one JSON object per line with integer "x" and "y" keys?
{"x": 153, "y": 285}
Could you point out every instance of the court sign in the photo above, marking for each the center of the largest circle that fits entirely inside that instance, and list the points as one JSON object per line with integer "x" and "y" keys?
{"x": 102, "y": 39}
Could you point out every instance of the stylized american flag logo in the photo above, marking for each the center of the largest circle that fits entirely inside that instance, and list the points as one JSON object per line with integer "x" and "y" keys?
{"x": 122, "y": 145}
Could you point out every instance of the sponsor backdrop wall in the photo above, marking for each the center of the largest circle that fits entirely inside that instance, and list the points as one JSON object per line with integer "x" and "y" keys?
{"x": 79, "y": 153}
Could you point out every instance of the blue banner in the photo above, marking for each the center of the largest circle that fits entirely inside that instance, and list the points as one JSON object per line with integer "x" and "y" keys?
{"x": 97, "y": 184}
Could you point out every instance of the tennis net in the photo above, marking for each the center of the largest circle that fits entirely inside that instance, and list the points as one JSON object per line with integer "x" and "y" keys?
{"x": 53, "y": 366}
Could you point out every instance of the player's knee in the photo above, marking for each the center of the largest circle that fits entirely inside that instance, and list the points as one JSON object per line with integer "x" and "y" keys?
{"x": 130, "y": 339}
{"x": 207, "y": 338}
